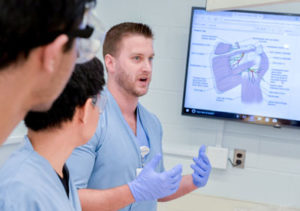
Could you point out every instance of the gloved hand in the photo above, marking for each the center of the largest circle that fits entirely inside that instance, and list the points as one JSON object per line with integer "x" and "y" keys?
{"x": 201, "y": 168}
{"x": 150, "y": 185}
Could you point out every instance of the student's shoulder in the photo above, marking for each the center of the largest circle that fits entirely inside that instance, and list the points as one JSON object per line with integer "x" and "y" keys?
{"x": 15, "y": 194}
{"x": 22, "y": 167}
{"x": 23, "y": 185}
{"x": 19, "y": 196}
{"x": 14, "y": 164}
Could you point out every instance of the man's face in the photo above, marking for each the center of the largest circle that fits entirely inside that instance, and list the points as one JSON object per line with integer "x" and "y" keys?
{"x": 134, "y": 64}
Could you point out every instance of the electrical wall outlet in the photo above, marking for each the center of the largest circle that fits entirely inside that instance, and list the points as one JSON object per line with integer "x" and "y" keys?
{"x": 239, "y": 158}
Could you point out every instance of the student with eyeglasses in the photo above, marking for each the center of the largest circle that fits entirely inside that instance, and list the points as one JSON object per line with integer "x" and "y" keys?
{"x": 38, "y": 52}
{"x": 36, "y": 177}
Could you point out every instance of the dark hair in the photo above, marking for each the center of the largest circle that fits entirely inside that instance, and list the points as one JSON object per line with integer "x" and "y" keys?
{"x": 115, "y": 35}
{"x": 86, "y": 81}
{"x": 28, "y": 24}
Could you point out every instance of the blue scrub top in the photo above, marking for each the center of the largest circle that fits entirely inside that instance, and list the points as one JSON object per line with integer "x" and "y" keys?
{"x": 28, "y": 182}
{"x": 140, "y": 132}
{"x": 111, "y": 157}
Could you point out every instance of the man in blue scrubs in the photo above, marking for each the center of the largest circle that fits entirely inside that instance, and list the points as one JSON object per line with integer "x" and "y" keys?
{"x": 128, "y": 135}
{"x": 37, "y": 54}
{"x": 35, "y": 177}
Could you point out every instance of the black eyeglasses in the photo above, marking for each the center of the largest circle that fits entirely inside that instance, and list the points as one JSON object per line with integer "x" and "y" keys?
{"x": 82, "y": 33}
{"x": 89, "y": 35}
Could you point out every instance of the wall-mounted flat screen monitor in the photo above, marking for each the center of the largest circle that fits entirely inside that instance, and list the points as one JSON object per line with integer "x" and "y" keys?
{"x": 245, "y": 66}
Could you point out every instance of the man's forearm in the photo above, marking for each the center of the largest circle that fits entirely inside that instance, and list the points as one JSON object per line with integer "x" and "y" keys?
{"x": 186, "y": 186}
{"x": 108, "y": 199}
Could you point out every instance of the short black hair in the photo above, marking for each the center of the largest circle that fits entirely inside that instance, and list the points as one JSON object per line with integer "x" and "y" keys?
{"x": 28, "y": 24}
{"x": 86, "y": 81}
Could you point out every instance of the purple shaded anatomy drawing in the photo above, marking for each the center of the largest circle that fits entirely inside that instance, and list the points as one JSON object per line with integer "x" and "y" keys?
{"x": 234, "y": 65}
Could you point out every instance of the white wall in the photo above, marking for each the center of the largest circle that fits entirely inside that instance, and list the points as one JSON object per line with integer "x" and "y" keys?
{"x": 272, "y": 172}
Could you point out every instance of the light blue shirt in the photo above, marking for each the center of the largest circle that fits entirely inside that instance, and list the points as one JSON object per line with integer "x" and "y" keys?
{"x": 111, "y": 157}
{"x": 28, "y": 182}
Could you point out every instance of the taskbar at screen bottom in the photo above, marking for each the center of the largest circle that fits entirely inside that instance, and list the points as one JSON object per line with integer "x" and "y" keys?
{"x": 256, "y": 119}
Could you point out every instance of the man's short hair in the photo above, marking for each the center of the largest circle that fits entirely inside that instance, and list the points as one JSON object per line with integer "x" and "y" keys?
{"x": 86, "y": 81}
{"x": 28, "y": 24}
{"x": 115, "y": 35}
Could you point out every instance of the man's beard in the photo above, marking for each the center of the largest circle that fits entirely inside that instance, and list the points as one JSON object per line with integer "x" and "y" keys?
{"x": 127, "y": 84}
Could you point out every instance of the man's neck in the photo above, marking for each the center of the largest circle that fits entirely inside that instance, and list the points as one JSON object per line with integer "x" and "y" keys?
{"x": 55, "y": 145}
{"x": 126, "y": 101}
{"x": 14, "y": 101}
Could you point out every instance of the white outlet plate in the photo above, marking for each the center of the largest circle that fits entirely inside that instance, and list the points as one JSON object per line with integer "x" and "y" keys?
{"x": 217, "y": 156}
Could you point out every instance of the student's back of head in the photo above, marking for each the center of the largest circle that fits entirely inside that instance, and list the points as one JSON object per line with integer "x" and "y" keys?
{"x": 37, "y": 53}
{"x": 86, "y": 81}
{"x": 28, "y": 24}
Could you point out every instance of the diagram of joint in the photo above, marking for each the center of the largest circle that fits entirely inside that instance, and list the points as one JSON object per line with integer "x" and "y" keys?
{"x": 234, "y": 65}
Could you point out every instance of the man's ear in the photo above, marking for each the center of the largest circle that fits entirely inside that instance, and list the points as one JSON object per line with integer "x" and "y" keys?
{"x": 53, "y": 53}
{"x": 84, "y": 111}
{"x": 109, "y": 63}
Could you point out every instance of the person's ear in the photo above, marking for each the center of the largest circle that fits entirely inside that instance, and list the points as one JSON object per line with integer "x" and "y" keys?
{"x": 84, "y": 111}
{"x": 109, "y": 63}
{"x": 53, "y": 53}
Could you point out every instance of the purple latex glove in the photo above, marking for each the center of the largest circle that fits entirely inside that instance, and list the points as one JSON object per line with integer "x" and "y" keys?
{"x": 201, "y": 168}
{"x": 150, "y": 185}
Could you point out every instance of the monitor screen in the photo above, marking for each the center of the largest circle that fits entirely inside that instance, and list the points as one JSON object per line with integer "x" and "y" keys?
{"x": 245, "y": 66}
